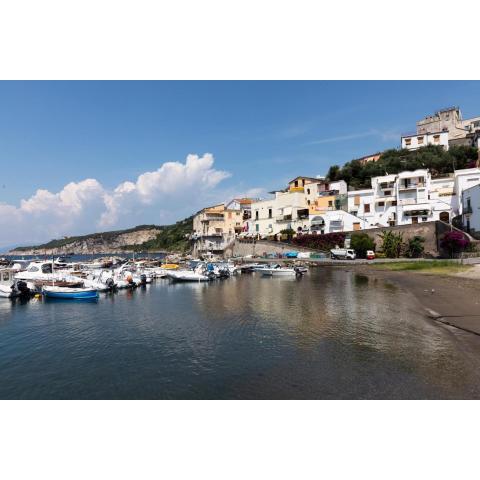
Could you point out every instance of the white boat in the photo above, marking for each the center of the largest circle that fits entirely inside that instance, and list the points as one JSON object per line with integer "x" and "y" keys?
{"x": 197, "y": 275}
{"x": 11, "y": 287}
{"x": 277, "y": 270}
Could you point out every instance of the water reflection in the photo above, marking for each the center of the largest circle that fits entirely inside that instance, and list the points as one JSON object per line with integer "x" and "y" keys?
{"x": 330, "y": 334}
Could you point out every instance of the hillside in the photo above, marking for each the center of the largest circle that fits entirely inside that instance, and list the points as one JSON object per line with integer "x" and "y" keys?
{"x": 435, "y": 158}
{"x": 141, "y": 238}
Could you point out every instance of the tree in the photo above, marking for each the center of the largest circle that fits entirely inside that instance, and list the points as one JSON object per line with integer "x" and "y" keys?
{"x": 392, "y": 243}
{"x": 361, "y": 242}
{"x": 433, "y": 157}
{"x": 414, "y": 247}
{"x": 454, "y": 242}
{"x": 332, "y": 172}
{"x": 288, "y": 232}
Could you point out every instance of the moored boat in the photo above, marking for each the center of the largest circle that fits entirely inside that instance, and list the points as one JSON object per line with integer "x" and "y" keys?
{"x": 69, "y": 293}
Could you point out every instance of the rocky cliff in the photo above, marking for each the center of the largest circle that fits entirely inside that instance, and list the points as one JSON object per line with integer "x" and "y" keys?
{"x": 107, "y": 242}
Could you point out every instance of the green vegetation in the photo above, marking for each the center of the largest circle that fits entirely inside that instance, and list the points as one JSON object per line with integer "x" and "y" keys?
{"x": 392, "y": 243}
{"x": 171, "y": 238}
{"x": 414, "y": 247}
{"x": 433, "y": 157}
{"x": 287, "y": 234}
{"x": 425, "y": 266}
{"x": 361, "y": 242}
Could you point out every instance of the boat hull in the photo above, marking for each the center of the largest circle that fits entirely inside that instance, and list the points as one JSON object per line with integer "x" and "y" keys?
{"x": 74, "y": 294}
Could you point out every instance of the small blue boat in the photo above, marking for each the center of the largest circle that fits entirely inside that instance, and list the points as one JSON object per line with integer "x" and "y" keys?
{"x": 70, "y": 293}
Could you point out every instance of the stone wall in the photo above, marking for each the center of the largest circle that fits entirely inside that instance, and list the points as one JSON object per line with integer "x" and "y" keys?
{"x": 242, "y": 248}
{"x": 432, "y": 232}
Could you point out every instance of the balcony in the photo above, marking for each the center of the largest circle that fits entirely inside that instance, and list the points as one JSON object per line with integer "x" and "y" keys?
{"x": 467, "y": 209}
{"x": 411, "y": 186}
{"x": 407, "y": 201}
{"x": 284, "y": 218}
{"x": 212, "y": 217}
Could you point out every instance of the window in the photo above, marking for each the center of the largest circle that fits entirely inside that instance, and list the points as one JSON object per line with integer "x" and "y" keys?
{"x": 366, "y": 207}
{"x": 308, "y": 202}
{"x": 356, "y": 200}
{"x": 47, "y": 268}
{"x": 408, "y": 141}
{"x": 424, "y": 219}
{"x": 420, "y": 140}
{"x": 296, "y": 183}
{"x": 256, "y": 214}
{"x": 436, "y": 139}
{"x": 394, "y": 203}
{"x": 269, "y": 213}
{"x": 218, "y": 230}
{"x": 6, "y": 276}
{"x": 388, "y": 192}
{"x": 257, "y": 227}
{"x": 32, "y": 269}
{"x": 308, "y": 191}
{"x": 356, "y": 226}
{"x": 381, "y": 204}
{"x": 330, "y": 203}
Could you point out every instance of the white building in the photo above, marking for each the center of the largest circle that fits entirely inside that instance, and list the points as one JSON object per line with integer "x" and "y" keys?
{"x": 471, "y": 210}
{"x": 416, "y": 141}
{"x": 285, "y": 211}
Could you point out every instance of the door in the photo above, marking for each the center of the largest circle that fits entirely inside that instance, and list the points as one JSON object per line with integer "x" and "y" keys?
{"x": 414, "y": 219}
{"x": 356, "y": 226}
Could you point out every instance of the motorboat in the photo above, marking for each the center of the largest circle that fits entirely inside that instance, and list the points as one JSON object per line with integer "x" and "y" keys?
{"x": 200, "y": 274}
{"x": 69, "y": 293}
{"x": 11, "y": 287}
{"x": 277, "y": 270}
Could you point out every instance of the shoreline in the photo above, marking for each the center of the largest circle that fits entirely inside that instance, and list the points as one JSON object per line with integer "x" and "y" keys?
{"x": 450, "y": 299}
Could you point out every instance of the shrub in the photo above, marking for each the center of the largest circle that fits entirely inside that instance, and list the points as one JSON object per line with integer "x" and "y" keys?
{"x": 454, "y": 242}
{"x": 414, "y": 247}
{"x": 392, "y": 243}
{"x": 361, "y": 242}
{"x": 320, "y": 242}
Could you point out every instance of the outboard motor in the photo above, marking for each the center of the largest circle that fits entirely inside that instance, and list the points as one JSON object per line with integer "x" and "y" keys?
{"x": 143, "y": 279}
{"x": 23, "y": 288}
{"x": 110, "y": 283}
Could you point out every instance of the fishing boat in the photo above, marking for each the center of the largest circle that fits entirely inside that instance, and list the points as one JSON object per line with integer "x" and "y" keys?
{"x": 69, "y": 293}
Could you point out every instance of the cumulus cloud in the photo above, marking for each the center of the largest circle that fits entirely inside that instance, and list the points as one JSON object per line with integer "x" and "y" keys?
{"x": 173, "y": 190}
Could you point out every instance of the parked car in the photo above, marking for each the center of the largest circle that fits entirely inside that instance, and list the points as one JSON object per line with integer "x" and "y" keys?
{"x": 370, "y": 254}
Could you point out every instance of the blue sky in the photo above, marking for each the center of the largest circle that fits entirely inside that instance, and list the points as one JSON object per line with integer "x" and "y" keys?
{"x": 261, "y": 133}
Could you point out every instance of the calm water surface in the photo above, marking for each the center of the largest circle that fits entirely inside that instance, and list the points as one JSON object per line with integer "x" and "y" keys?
{"x": 331, "y": 334}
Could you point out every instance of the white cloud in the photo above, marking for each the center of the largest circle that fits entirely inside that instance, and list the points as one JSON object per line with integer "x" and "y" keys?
{"x": 167, "y": 194}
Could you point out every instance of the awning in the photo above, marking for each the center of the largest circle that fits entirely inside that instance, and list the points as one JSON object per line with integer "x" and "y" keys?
{"x": 386, "y": 179}
{"x": 418, "y": 206}
{"x": 317, "y": 221}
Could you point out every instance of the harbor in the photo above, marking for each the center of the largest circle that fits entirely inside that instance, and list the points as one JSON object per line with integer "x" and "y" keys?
{"x": 331, "y": 332}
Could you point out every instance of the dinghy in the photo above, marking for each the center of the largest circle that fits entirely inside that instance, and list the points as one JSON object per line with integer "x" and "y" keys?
{"x": 69, "y": 293}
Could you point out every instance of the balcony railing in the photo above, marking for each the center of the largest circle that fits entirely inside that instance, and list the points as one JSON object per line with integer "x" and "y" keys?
{"x": 411, "y": 186}
{"x": 284, "y": 218}
{"x": 467, "y": 209}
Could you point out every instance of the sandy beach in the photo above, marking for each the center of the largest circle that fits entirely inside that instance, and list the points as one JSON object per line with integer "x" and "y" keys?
{"x": 450, "y": 299}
